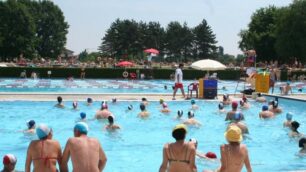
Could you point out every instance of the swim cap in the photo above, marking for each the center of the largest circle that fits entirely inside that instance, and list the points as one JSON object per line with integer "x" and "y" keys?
{"x": 233, "y": 134}
{"x": 83, "y": 115}
{"x": 193, "y": 140}
{"x": 234, "y": 104}
{"x": 289, "y": 116}
{"x": 165, "y": 105}
{"x": 265, "y": 107}
{"x": 82, "y": 127}
{"x": 104, "y": 106}
{"x": 244, "y": 99}
{"x": 192, "y": 102}
{"x": 75, "y": 104}
{"x": 190, "y": 114}
{"x": 180, "y": 113}
{"x": 224, "y": 96}
{"x": 9, "y": 159}
{"x": 130, "y": 107}
{"x": 241, "y": 102}
{"x": 221, "y": 106}
{"x": 111, "y": 119}
{"x": 142, "y": 107}
{"x": 161, "y": 101}
{"x": 211, "y": 155}
{"x": 42, "y": 131}
{"x": 30, "y": 124}
{"x": 144, "y": 99}
{"x": 114, "y": 100}
{"x": 59, "y": 99}
{"x": 180, "y": 126}
{"x": 89, "y": 100}
{"x": 275, "y": 104}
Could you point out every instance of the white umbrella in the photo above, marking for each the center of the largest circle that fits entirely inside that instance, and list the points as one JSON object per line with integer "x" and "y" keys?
{"x": 208, "y": 65}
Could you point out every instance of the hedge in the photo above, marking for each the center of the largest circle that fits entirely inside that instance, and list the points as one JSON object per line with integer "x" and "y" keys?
{"x": 155, "y": 73}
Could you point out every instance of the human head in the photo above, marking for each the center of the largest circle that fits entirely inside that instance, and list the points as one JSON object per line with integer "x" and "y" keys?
{"x": 241, "y": 102}
{"x": 233, "y": 134}
{"x": 179, "y": 132}
{"x": 275, "y": 104}
{"x": 234, "y": 105}
{"x": 31, "y": 124}
{"x": 295, "y": 125}
{"x": 190, "y": 114}
{"x": 165, "y": 105}
{"x": 181, "y": 65}
{"x": 130, "y": 107}
{"x": 114, "y": 100}
{"x": 161, "y": 101}
{"x": 80, "y": 128}
{"x": 59, "y": 99}
{"x": 74, "y": 104}
{"x": 194, "y": 141}
{"x": 110, "y": 119}
{"x": 224, "y": 97}
{"x": 104, "y": 106}
{"x": 83, "y": 115}
{"x": 89, "y": 100}
{"x": 289, "y": 116}
{"x": 9, "y": 162}
{"x": 43, "y": 131}
{"x": 259, "y": 94}
{"x": 244, "y": 99}
{"x": 221, "y": 106}
{"x": 142, "y": 107}
{"x": 144, "y": 99}
{"x": 192, "y": 102}
{"x": 180, "y": 113}
{"x": 302, "y": 142}
{"x": 265, "y": 108}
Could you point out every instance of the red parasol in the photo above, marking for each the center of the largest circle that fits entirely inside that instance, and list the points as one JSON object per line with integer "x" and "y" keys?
{"x": 125, "y": 64}
{"x": 152, "y": 50}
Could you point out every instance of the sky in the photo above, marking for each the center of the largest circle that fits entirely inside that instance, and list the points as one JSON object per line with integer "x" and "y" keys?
{"x": 89, "y": 19}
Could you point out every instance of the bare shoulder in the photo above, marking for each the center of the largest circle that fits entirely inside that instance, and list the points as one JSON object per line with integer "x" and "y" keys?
{"x": 166, "y": 146}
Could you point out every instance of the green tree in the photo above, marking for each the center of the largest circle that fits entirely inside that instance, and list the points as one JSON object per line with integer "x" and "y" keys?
{"x": 17, "y": 30}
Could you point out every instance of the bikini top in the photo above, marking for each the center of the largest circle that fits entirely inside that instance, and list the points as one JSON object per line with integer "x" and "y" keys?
{"x": 42, "y": 157}
{"x": 171, "y": 155}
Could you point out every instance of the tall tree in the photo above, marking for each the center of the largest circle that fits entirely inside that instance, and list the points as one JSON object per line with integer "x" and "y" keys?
{"x": 205, "y": 40}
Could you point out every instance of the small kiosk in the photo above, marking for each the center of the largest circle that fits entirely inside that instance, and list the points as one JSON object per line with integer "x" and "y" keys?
{"x": 208, "y": 88}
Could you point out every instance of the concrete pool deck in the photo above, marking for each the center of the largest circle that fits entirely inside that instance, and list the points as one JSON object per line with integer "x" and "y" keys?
{"x": 38, "y": 96}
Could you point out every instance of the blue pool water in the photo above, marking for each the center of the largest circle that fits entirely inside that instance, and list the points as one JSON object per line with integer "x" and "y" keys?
{"x": 138, "y": 145}
{"x": 117, "y": 86}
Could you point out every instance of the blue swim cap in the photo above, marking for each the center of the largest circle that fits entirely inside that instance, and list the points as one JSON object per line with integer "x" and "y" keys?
{"x": 83, "y": 115}
{"x": 82, "y": 127}
{"x": 192, "y": 102}
{"x": 30, "y": 124}
{"x": 265, "y": 107}
{"x": 42, "y": 131}
{"x": 289, "y": 116}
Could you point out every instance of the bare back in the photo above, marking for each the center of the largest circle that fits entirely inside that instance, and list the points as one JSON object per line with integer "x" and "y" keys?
{"x": 102, "y": 114}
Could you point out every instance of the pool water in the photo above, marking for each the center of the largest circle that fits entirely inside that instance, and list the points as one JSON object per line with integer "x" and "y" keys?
{"x": 138, "y": 145}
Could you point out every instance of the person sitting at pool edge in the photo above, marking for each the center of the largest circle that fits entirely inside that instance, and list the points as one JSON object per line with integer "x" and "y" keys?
{"x": 191, "y": 120}
{"x": 103, "y": 113}
{"x": 86, "y": 153}
{"x": 193, "y": 105}
{"x": 288, "y": 121}
{"x": 230, "y": 115}
{"x": 274, "y": 107}
{"x": 111, "y": 125}
{"x": 294, "y": 129}
{"x": 178, "y": 156}
{"x": 31, "y": 127}
{"x": 44, "y": 152}
{"x": 265, "y": 113}
{"x": 234, "y": 154}
{"x": 9, "y": 163}
{"x": 60, "y": 102}
{"x": 302, "y": 145}
{"x": 144, "y": 113}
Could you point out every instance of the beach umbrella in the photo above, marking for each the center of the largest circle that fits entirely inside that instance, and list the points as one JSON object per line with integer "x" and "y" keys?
{"x": 208, "y": 65}
{"x": 151, "y": 50}
{"x": 125, "y": 64}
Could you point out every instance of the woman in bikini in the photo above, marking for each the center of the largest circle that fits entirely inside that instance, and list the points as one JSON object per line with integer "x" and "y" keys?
{"x": 44, "y": 152}
{"x": 180, "y": 155}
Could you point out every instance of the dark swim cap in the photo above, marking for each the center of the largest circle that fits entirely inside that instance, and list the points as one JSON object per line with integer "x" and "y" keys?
{"x": 180, "y": 113}
{"x": 142, "y": 107}
{"x": 83, "y": 115}
{"x": 30, "y": 124}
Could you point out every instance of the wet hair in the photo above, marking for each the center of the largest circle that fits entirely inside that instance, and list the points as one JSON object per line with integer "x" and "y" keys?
{"x": 295, "y": 125}
{"x": 143, "y": 99}
{"x": 31, "y": 124}
{"x": 180, "y": 113}
{"x": 179, "y": 134}
{"x": 89, "y": 100}
{"x": 59, "y": 99}
{"x": 110, "y": 119}
{"x": 142, "y": 107}
{"x": 302, "y": 141}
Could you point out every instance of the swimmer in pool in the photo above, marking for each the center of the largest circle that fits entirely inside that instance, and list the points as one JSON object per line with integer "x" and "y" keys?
{"x": 60, "y": 103}
{"x": 288, "y": 121}
{"x": 75, "y": 105}
{"x": 165, "y": 108}
{"x": 191, "y": 120}
{"x": 103, "y": 113}
{"x": 237, "y": 122}
{"x": 114, "y": 100}
{"x": 260, "y": 98}
{"x": 274, "y": 107}
{"x": 244, "y": 105}
{"x": 45, "y": 153}
{"x": 231, "y": 114}
{"x": 111, "y": 125}
{"x": 226, "y": 99}
{"x": 193, "y": 105}
{"x": 144, "y": 113}
{"x": 294, "y": 130}
{"x": 31, "y": 127}
{"x": 302, "y": 145}
{"x": 265, "y": 113}
{"x": 89, "y": 101}
{"x": 221, "y": 108}
{"x": 83, "y": 116}
{"x": 179, "y": 114}
{"x": 144, "y": 101}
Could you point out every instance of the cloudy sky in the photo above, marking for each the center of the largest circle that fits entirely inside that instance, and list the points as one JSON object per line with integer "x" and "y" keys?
{"x": 89, "y": 19}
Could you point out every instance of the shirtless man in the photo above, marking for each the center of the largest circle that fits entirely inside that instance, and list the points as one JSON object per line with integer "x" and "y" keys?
{"x": 259, "y": 98}
{"x": 288, "y": 121}
{"x": 285, "y": 90}
{"x": 144, "y": 113}
{"x": 193, "y": 105}
{"x": 234, "y": 155}
{"x": 44, "y": 152}
{"x": 274, "y": 107}
{"x": 178, "y": 156}
{"x": 244, "y": 105}
{"x": 191, "y": 120}
{"x": 265, "y": 113}
{"x": 60, "y": 103}
{"x": 111, "y": 125}
{"x": 31, "y": 127}
{"x": 243, "y": 127}
{"x": 231, "y": 114}
{"x": 86, "y": 153}
{"x": 103, "y": 113}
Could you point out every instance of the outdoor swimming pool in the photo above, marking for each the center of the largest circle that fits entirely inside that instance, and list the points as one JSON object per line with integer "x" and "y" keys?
{"x": 117, "y": 86}
{"x": 138, "y": 145}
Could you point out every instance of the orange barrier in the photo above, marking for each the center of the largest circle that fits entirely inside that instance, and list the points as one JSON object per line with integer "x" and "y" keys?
{"x": 262, "y": 82}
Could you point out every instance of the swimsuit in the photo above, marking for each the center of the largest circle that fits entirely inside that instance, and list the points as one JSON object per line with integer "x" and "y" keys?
{"x": 171, "y": 158}
{"x": 45, "y": 158}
